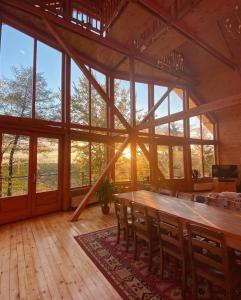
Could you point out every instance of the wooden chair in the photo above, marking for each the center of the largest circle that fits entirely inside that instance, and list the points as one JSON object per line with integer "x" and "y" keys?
{"x": 124, "y": 222}
{"x": 210, "y": 259}
{"x": 218, "y": 202}
{"x": 185, "y": 196}
{"x": 200, "y": 199}
{"x": 172, "y": 242}
{"x": 144, "y": 229}
{"x": 165, "y": 192}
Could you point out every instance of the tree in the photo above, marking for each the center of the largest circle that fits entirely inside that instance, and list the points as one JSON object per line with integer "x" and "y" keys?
{"x": 16, "y": 100}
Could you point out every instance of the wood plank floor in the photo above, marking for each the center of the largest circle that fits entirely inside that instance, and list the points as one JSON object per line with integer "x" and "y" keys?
{"x": 39, "y": 259}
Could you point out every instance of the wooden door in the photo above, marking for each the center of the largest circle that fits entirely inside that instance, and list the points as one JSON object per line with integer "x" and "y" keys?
{"x": 30, "y": 175}
{"x": 15, "y": 173}
{"x": 46, "y": 175}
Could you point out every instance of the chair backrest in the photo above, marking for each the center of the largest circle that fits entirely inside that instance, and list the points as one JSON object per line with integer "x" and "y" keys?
{"x": 234, "y": 203}
{"x": 121, "y": 212}
{"x": 165, "y": 192}
{"x": 170, "y": 231}
{"x": 219, "y": 202}
{"x": 140, "y": 218}
{"x": 208, "y": 249}
{"x": 186, "y": 196}
{"x": 200, "y": 199}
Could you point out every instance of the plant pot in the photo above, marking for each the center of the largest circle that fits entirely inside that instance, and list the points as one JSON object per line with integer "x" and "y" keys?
{"x": 105, "y": 209}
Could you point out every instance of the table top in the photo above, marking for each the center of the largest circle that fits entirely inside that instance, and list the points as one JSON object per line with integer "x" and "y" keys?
{"x": 225, "y": 220}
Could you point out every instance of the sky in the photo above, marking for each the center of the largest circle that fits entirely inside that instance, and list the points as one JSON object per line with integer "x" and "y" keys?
{"x": 17, "y": 50}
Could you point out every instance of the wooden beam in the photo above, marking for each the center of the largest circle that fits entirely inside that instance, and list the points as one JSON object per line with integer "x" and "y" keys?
{"x": 107, "y": 42}
{"x": 148, "y": 156}
{"x": 95, "y": 187}
{"x": 202, "y": 109}
{"x": 154, "y": 7}
{"x": 74, "y": 54}
{"x": 155, "y": 107}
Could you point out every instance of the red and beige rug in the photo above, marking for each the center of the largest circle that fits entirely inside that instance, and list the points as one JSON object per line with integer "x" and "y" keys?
{"x": 130, "y": 277}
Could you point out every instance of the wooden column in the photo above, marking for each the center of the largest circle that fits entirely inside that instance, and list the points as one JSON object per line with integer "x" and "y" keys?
{"x": 133, "y": 123}
{"x": 66, "y": 200}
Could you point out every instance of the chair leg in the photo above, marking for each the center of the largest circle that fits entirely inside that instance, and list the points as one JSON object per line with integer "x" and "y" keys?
{"x": 184, "y": 278}
{"x": 127, "y": 239}
{"x": 228, "y": 293}
{"x": 135, "y": 246}
{"x": 150, "y": 256}
{"x": 118, "y": 234}
{"x": 161, "y": 263}
{"x": 194, "y": 286}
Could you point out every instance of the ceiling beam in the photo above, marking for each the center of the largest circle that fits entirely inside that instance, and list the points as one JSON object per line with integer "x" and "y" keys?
{"x": 107, "y": 42}
{"x": 155, "y": 9}
{"x": 202, "y": 109}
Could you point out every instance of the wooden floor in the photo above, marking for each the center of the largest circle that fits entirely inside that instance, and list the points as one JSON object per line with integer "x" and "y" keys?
{"x": 39, "y": 259}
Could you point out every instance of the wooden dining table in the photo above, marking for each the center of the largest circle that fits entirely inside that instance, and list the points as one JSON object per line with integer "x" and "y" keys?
{"x": 225, "y": 220}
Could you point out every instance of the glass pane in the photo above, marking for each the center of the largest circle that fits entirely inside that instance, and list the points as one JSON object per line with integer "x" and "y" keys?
{"x": 163, "y": 160}
{"x": 16, "y": 73}
{"x": 48, "y": 83}
{"x": 123, "y": 165}
{"x": 162, "y": 110}
{"x": 98, "y": 109}
{"x": 178, "y": 163}
{"x": 122, "y": 100}
{"x": 47, "y": 164}
{"x": 79, "y": 96}
{"x": 176, "y": 101}
{"x": 208, "y": 159}
{"x": 98, "y": 105}
{"x": 98, "y": 160}
{"x": 100, "y": 78}
{"x": 79, "y": 164}
{"x": 142, "y": 165}
{"x": 162, "y": 129}
{"x": 196, "y": 158}
{"x": 195, "y": 127}
{"x": 207, "y": 129}
{"x": 141, "y": 90}
{"x": 176, "y": 128}
{"x": 15, "y": 165}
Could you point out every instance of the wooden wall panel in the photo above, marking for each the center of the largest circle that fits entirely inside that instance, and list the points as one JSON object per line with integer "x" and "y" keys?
{"x": 229, "y": 136}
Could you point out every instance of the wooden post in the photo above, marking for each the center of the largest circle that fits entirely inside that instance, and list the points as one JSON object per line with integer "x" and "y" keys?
{"x": 133, "y": 123}
{"x": 95, "y": 187}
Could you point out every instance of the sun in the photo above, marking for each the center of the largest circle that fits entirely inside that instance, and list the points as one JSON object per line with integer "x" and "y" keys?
{"x": 127, "y": 153}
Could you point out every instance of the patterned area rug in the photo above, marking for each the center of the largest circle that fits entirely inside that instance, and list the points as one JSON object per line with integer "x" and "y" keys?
{"x": 130, "y": 277}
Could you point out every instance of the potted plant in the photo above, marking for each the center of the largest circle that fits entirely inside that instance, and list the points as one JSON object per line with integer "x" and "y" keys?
{"x": 105, "y": 195}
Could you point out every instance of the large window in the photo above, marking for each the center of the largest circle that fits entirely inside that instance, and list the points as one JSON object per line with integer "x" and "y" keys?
{"x": 172, "y": 104}
{"x": 200, "y": 126}
{"x": 88, "y": 159}
{"x": 87, "y": 106}
{"x": 122, "y": 100}
{"x": 171, "y": 161}
{"x": 202, "y": 157}
{"x": 16, "y": 73}
{"x": 123, "y": 165}
{"x": 22, "y": 91}
{"x": 142, "y": 165}
{"x": 141, "y": 90}
{"x": 48, "y": 83}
